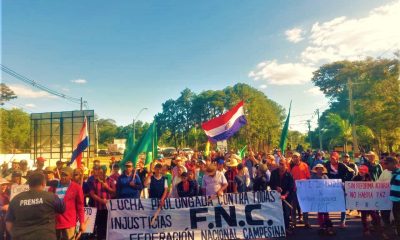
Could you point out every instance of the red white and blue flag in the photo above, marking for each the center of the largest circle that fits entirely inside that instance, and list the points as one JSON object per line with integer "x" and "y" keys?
{"x": 226, "y": 125}
{"x": 82, "y": 144}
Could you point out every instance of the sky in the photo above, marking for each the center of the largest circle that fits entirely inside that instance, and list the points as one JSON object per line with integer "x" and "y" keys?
{"x": 123, "y": 56}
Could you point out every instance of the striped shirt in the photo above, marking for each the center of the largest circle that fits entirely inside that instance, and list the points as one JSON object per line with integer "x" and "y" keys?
{"x": 395, "y": 186}
{"x": 98, "y": 189}
{"x": 61, "y": 190}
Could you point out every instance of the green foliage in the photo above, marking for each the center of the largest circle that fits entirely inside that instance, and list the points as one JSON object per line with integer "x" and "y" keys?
{"x": 180, "y": 120}
{"x": 14, "y": 131}
{"x": 376, "y": 97}
{"x": 6, "y": 94}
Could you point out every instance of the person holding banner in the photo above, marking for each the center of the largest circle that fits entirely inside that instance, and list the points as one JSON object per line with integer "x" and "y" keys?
{"x": 363, "y": 175}
{"x": 283, "y": 182}
{"x": 157, "y": 184}
{"x": 101, "y": 191}
{"x": 338, "y": 170}
{"x": 299, "y": 171}
{"x": 186, "y": 188}
{"x": 214, "y": 182}
{"x": 129, "y": 184}
{"x": 325, "y": 224}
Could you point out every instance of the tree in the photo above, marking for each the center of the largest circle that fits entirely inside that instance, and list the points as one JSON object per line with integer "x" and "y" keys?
{"x": 14, "y": 131}
{"x": 6, "y": 94}
{"x": 107, "y": 129}
{"x": 376, "y": 97}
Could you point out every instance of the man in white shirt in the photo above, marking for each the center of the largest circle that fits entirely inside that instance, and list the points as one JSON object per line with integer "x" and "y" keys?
{"x": 214, "y": 182}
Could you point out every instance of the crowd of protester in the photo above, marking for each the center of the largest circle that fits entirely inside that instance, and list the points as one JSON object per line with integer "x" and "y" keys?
{"x": 187, "y": 175}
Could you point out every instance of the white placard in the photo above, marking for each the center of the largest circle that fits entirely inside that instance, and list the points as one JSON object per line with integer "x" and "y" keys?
{"x": 233, "y": 216}
{"x": 16, "y": 189}
{"x": 321, "y": 195}
{"x": 90, "y": 218}
{"x": 368, "y": 195}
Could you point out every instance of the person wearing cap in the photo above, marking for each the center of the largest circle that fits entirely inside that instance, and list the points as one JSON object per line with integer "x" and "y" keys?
{"x": 157, "y": 184}
{"x": 186, "y": 188}
{"x": 23, "y": 167}
{"x": 72, "y": 195}
{"x": 338, "y": 170}
{"x": 16, "y": 178}
{"x": 230, "y": 175}
{"x": 299, "y": 171}
{"x": 57, "y": 169}
{"x": 4, "y": 203}
{"x": 51, "y": 181}
{"x": 214, "y": 182}
{"x": 129, "y": 184}
{"x": 348, "y": 163}
{"x": 101, "y": 192}
{"x": 325, "y": 224}
{"x": 221, "y": 165}
{"x": 364, "y": 176}
{"x": 200, "y": 172}
{"x": 374, "y": 168}
{"x": 142, "y": 172}
{"x": 40, "y": 164}
{"x": 32, "y": 214}
{"x": 283, "y": 182}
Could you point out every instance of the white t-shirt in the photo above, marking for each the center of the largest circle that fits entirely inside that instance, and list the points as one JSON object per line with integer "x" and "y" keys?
{"x": 385, "y": 176}
{"x": 213, "y": 184}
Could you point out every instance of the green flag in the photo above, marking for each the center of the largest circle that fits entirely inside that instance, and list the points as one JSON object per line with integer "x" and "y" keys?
{"x": 241, "y": 152}
{"x": 146, "y": 144}
{"x": 153, "y": 151}
{"x": 284, "y": 134}
{"x": 128, "y": 144}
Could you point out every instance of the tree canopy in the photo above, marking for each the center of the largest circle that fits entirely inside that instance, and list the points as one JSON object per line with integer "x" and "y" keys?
{"x": 376, "y": 98}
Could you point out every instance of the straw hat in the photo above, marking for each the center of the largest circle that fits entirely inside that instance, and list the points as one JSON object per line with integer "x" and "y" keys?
{"x": 4, "y": 181}
{"x": 233, "y": 162}
{"x": 211, "y": 169}
{"x": 319, "y": 165}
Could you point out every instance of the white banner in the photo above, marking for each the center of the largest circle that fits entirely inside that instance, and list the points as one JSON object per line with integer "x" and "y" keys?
{"x": 368, "y": 195}
{"x": 321, "y": 195}
{"x": 90, "y": 218}
{"x": 232, "y": 216}
{"x": 17, "y": 189}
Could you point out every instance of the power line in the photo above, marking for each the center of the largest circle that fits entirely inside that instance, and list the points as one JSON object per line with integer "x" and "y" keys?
{"x": 38, "y": 85}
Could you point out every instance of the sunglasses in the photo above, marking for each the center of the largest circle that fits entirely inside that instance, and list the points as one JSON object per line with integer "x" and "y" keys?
{"x": 128, "y": 166}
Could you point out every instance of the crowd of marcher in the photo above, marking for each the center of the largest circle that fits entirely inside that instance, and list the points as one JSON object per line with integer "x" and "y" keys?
{"x": 53, "y": 208}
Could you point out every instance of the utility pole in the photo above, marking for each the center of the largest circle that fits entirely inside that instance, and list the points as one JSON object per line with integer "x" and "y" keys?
{"x": 309, "y": 132}
{"x": 352, "y": 118}
{"x": 319, "y": 131}
{"x": 81, "y": 104}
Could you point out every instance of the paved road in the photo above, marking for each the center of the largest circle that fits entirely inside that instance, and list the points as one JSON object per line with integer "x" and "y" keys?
{"x": 353, "y": 230}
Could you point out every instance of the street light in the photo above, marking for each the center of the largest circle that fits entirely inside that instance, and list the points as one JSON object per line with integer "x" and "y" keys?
{"x": 137, "y": 115}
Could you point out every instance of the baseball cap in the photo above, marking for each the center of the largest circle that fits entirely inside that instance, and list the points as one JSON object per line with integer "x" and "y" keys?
{"x": 67, "y": 170}
{"x": 220, "y": 161}
{"x": 40, "y": 159}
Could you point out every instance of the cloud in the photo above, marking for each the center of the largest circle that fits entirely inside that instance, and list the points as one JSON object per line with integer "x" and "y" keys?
{"x": 263, "y": 86}
{"x": 79, "y": 81}
{"x": 341, "y": 38}
{"x": 354, "y": 38}
{"x": 25, "y": 92}
{"x": 282, "y": 74}
{"x": 314, "y": 91}
{"x": 294, "y": 35}
{"x": 30, "y": 105}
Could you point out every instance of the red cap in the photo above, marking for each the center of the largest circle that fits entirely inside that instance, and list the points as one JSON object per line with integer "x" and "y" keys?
{"x": 363, "y": 169}
{"x": 112, "y": 158}
{"x": 335, "y": 155}
{"x": 41, "y": 159}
